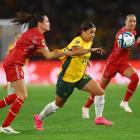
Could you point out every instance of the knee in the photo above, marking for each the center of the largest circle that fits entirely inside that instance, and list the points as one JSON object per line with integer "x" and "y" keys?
{"x": 60, "y": 101}
{"x": 22, "y": 97}
{"x": 99, "y": 93}
{"x": 102, "y": 92}
{"x": 60, "y": 105}
{"x": 25, "y": 97}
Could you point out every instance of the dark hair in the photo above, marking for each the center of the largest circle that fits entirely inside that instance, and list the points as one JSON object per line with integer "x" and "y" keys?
{"x": 23, "y": 18}
{"x": 85, "y": 26}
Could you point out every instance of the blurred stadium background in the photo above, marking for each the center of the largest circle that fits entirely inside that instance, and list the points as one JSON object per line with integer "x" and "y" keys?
{"x": 65, "y": 17}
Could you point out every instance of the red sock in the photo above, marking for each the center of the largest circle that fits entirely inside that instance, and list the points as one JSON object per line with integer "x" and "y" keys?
{"x": 103, "y": 85}
{"x": 13, "y": 111}
{"x": 8, "y": 100}
{"x": 89, "y": 102}
{"x": 132, "y": 86}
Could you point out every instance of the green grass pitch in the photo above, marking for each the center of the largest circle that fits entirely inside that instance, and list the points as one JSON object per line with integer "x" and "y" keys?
{"x": 67, "y": 123}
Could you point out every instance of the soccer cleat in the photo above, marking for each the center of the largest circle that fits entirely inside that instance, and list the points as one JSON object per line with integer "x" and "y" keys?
{"x": 85, "y": 113}
{"x": 8, "y": 130}
{"x": 102, "y": 121}
{"x": 38, "y": 122}
{"x": 125, "y": 106}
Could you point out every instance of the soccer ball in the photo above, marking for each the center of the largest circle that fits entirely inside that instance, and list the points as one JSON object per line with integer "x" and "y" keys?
{"x": 126, "y": 40}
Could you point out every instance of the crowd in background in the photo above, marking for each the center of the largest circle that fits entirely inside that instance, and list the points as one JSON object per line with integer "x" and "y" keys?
{"x": 66, "y": 16}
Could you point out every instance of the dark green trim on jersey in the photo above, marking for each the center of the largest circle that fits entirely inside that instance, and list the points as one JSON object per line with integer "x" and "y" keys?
{"x": 65, "y": 66}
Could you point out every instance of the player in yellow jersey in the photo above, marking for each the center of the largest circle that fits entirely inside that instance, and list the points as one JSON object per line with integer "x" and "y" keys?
{"x": 73, "y": 74}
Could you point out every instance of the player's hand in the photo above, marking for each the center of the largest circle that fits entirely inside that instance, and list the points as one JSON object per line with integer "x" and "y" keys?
{"x": 98, "y": 50}
{"x": 68, "y": 53}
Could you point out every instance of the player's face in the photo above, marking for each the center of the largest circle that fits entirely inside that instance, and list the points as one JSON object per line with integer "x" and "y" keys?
{"x": 46, "y": 24}
{"x": 89, "y": 34}
{"x": 130, "y": 23}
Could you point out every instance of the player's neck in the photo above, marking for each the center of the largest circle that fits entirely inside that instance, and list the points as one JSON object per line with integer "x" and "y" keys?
{"x": 40, "y": 30}
{"x": 129, "y": 30}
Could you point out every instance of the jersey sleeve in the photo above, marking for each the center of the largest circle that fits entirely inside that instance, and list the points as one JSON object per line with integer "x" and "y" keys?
{"x": 39, "y": 42}
{"x": 76, "y": 42}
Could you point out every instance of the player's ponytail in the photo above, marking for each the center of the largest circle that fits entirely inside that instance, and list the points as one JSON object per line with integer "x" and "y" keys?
{"x": 23, "y": 18}
{"x": 85, "y": 26}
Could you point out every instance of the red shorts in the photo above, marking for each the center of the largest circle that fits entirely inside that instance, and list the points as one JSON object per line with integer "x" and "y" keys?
{"x": 14, "y": 72}
{"x": 110, "y": 70}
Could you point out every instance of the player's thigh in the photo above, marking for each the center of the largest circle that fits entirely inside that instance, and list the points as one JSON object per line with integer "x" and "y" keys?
{"x": 93, "y": 88}
{"x": 109, "y": 71}
{"x": 14, "y": 72}
{"x": 127, "y": 70}
{"x": 20, "y": 88}
{"x": 64, "y": 89}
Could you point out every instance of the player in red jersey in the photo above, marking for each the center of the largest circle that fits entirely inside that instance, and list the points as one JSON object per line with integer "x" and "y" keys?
{"x": 30, "y": 42}
{"x": 117, "y": 62}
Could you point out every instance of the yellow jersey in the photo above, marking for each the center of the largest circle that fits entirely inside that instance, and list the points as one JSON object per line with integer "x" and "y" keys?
{"x": 74, "y": 67}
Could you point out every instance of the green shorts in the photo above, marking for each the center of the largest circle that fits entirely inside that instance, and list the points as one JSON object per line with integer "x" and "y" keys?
{"x": 64, "y": 89}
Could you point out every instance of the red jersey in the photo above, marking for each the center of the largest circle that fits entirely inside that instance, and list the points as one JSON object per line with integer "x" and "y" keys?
{"x": 118, "y": 54}
{"x": 25, "y": 47}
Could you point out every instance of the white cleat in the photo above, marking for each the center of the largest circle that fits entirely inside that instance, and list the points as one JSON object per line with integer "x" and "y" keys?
{"x": 8, "y": 130}
{"x": 85, "y": 113}
{"x": 125, "y": 106}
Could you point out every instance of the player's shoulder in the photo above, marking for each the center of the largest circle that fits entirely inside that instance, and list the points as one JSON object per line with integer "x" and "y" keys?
{"x": 34, "y": 31}
{"x": 123, "y": 29}
{"x": 77, "y": 40}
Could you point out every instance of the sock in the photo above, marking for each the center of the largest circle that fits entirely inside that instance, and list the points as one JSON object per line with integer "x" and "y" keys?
{"x": 89, "y": 101}
{"x": 13, "y": 111}
{"x": 134, "y": 79}
{"x": 103, "y": 85}
{"x": 8, "y": 100}
{"x": 48, "y": 110}
{"x": 99, "y": 105}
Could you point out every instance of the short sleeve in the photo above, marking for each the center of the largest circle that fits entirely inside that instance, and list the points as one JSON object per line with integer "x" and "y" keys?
{"x": 76, "y": 42}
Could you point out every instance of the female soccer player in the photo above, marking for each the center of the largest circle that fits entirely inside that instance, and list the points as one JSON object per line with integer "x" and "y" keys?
{"x": 118, "y": 62}
{"x": 30, "y": 42}
{"x": 73, "y": 74}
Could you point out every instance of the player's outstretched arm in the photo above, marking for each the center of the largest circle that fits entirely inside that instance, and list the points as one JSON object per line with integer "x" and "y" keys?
{"x": 98, "y": 50}
{"x": 80, "y": 51}
{"x": 53, "y": 55}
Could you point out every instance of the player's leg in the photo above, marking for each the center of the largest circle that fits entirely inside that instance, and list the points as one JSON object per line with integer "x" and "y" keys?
{"x": 108, "y": 72}
{"x": 130, "y": 73}
{"x": 8, "y": 100}
{"x": 99, "y": 100}
{"x": 49, "y": 109}
{"x": 63, "y": 91}
{"x": 85, "y": 109}
{"x": 21, "y": 92}
{"x": 10, "y": 89}
{"x": 91, "y": 86}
